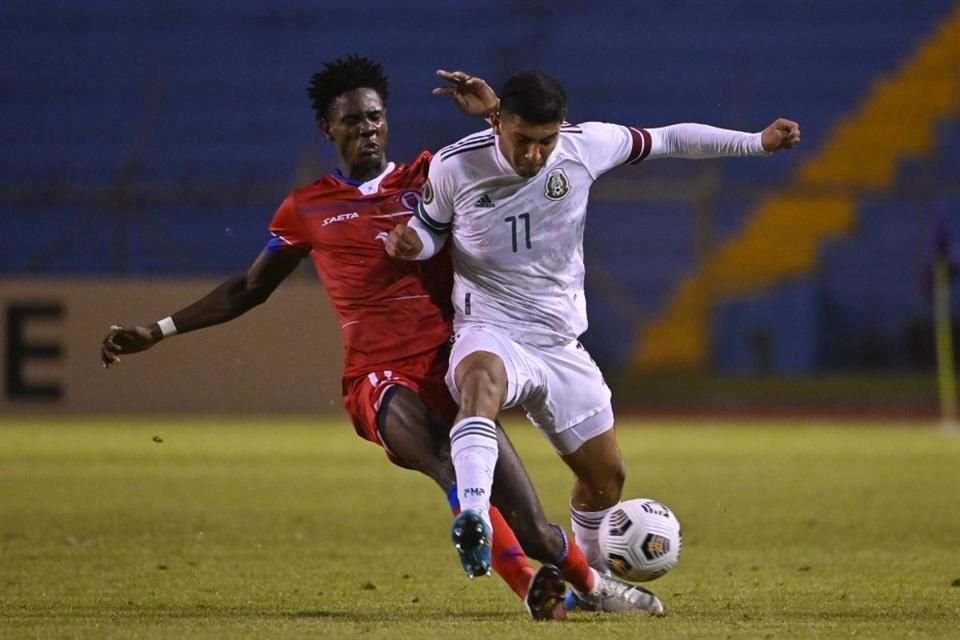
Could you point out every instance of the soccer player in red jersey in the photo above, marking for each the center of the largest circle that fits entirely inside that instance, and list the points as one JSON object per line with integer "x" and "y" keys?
{"x": 395, "y": 318}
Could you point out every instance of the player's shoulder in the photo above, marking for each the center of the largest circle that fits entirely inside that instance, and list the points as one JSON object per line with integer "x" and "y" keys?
{"x": 419, "y": 161}
{"x": 468, "y": 148}
{"x": 587, "y": 137}
{"x": 324, "y": 186}
{"x": 589, "y": 131}
{"x": 410, "y": 174}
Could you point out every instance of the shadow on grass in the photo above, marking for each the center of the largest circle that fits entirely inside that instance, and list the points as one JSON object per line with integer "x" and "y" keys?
{"x": 406, "y": 616}
{"x": 143, "y": 615}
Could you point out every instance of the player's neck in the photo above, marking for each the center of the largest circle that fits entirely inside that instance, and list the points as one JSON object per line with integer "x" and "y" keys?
{"x": 363, "y": 174}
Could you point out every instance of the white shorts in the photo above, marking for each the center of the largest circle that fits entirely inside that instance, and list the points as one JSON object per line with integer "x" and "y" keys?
{"x": 561, "y": 388}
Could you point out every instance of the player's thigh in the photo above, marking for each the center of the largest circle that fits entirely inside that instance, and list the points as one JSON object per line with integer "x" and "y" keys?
{"x": 521, "y": 374}
{"x": 413, "y": 436}
{"x": 576, "y": 405}
{"x": 397, "y": 410}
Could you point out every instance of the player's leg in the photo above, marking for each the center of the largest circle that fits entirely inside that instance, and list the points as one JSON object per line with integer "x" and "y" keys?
{"x": 427, "y": 449}
{"x": 574, "y": 387}
{"x": 599, "y": 471}
{"x": 477, "y": 380}
{"x": 516, "y": 498}
{"x": 513, "y": 491}
{"x": 481, "y": 382}
{"x": 416, "y": 439}
{"x": 590, "y": 449}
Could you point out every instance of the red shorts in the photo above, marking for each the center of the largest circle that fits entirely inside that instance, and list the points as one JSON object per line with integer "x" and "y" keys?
{"x": 423, "y": 374}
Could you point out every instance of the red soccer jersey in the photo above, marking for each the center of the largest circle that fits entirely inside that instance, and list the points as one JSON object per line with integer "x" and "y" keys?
{"x": 388, "y": 309}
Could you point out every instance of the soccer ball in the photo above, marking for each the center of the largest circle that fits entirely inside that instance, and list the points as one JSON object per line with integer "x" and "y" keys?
{"x": 640, "y": 539}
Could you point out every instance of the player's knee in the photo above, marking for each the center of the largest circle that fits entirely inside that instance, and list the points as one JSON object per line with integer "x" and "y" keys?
{"x": 481, "y": 391}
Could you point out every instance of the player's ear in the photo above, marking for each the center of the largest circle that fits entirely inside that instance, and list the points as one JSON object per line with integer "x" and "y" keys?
{"x": 325, "y": 129}
{"x": 495, "y": 121}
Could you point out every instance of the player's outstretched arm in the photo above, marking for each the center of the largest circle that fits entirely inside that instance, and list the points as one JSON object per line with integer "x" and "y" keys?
{"x": 233, "y": 298}
{"x": 472, "y": 95}
{"x": 781, "y": 134}
{"x": 693, "y": 140}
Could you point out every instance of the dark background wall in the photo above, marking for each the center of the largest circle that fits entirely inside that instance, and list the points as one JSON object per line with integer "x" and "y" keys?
{"x": 156, "y": 138}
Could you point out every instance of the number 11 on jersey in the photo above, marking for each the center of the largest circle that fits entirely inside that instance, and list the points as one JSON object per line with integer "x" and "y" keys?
{"x": 512, "y": 220}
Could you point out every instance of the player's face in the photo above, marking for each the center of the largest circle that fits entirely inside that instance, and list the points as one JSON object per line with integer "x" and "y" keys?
{"x": 526, "y": 146}
{"x": 357, "y": 125}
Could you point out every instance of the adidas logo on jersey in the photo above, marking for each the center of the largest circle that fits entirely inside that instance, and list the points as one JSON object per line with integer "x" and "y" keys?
{"x": 484, "y": 202}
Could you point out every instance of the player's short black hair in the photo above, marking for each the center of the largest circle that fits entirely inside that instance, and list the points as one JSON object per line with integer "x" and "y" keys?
{"x": 535, "y": 96}
{"x": 343, "y": 75}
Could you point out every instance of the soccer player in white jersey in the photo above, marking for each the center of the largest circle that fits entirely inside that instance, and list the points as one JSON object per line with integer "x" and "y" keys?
{"x": 514, "y": 200}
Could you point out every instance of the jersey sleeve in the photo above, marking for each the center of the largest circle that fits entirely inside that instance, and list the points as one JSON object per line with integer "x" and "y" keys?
{"x": 435, "y": 209}
{"x": 287, "y": 231}
{"x": 606, "y": 146}
{"x": 692, "y": 140}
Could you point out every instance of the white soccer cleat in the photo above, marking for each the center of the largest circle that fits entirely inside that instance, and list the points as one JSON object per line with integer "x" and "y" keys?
{"x": 615, "y": 595}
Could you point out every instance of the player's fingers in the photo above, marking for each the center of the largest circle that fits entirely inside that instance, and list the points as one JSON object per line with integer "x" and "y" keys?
{"x": 404, "y": 242}
{"x": 110, "y": 342}
{"x": 454, "y": 76}
{"x": 394, "y": 240}
{"x": 108, "y": 358}
{"x": 445, "y": 91}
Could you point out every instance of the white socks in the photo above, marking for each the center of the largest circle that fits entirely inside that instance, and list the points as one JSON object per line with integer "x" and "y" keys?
{"x": 473, "y": 446}
{"x": 586, "y": 529}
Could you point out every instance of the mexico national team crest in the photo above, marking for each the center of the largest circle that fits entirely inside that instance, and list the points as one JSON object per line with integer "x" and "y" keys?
{"x": 558, "y": 185}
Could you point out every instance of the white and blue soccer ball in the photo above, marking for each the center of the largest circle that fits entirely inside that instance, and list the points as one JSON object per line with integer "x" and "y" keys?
{"x": 640, "y": 539}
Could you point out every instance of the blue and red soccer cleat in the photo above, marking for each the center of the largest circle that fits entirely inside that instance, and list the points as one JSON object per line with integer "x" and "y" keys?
{"x": 471, "y": 537}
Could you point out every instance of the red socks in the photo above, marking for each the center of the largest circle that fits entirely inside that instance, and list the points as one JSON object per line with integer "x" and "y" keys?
{"x": 575, "y": 569}
{"x": 508, "y": 558}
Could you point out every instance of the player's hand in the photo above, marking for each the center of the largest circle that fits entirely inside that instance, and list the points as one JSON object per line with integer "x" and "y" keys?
{"x": 781, "y": 134}
{"x": 472, "y": 95}
{"x": 404, "y": 243}
{"x": 125, "y": 340}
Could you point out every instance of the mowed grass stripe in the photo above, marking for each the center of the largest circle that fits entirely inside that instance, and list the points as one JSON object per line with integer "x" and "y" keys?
{"x": 297, "y": 528}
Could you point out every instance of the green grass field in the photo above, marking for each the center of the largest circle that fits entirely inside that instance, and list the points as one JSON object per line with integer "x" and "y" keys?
{"x": 283, "y": 528}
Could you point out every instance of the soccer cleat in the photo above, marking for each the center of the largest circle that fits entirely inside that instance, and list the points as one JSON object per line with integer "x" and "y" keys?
{"x": 612, "y": 594}
{"x": 544, "y": 599}
{"x": 471, "y": 537}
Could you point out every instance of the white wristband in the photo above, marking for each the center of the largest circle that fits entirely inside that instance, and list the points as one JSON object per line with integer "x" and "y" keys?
{"x": 167, "y": 328}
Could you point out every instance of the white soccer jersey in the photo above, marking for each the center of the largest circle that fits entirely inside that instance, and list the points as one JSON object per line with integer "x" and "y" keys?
{"x": 518, "y": 242}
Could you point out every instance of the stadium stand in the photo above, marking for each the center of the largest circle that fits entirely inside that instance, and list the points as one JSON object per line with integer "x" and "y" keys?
{"x": 136, "y": 135}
